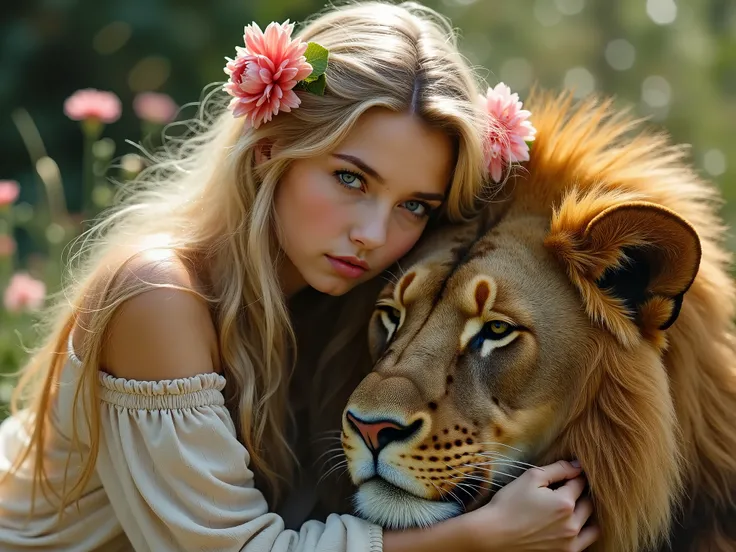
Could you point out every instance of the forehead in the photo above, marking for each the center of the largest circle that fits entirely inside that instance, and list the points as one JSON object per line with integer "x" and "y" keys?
{"x": 402, "y": 149}
{"x": 521, "y": 273}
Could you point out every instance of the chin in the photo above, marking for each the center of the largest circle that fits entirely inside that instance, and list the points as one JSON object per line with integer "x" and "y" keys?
{"x": 334, "y": 286}
{"x": 384, "y": 504}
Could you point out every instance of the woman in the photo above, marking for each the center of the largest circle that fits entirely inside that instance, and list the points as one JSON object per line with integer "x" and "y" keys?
{"x": 158, "y": 414}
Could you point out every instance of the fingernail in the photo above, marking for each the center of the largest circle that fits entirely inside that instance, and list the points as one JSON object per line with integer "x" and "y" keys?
{"x": 575, "y": 463}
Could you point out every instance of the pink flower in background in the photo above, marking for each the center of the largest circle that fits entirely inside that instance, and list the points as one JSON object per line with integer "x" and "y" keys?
{"x": 24, "y": 293}
{"x": 9, "y": 191}
{"x": 263, "y": 73}
{"x": 93, "y": 104}
{"x": 509, "y": 130}
{"x": 155, "y": 107}
{"x": 7, "y": 246}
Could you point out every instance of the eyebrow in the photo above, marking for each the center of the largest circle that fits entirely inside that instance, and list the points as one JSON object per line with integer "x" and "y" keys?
{"x": 429, "y": 196}
{"x": 358, "y": 162}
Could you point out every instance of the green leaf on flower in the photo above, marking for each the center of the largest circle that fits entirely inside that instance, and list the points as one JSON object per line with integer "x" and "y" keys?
{"x": 317, "y": 57}
{"x": 316, "y": 86}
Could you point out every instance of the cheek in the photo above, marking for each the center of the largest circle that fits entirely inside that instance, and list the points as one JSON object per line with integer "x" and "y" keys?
{"x": 309, "y": 206}
{"x": 400, "y": 241}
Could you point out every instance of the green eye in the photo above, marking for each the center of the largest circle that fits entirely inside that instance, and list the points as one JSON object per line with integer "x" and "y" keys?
{"x": 494, "y": 330}
{"x": 415, "y": 207}
{"x": 498, "y": 327}
{"x": 349, "y": 179}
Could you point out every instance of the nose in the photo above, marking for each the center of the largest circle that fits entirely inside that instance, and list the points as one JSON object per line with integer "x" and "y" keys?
{"x": 376, "y": 435}
{"x": 371, "y": 231}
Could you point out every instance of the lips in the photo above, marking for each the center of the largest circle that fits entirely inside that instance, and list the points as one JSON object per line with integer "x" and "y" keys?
{"x": 354, "y": 261}
{"x": 348, "y": 267}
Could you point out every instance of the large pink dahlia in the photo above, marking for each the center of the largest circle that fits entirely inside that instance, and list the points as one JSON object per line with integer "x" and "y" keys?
{"x": 509, "y": 130}
{"x": 263, "y": 74}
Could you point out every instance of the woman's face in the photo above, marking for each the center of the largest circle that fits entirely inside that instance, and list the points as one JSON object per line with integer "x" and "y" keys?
{"x": 346, "y": 216}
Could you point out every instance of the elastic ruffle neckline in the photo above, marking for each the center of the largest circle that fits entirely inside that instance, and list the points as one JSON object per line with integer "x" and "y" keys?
{"x": 190, "y": 392}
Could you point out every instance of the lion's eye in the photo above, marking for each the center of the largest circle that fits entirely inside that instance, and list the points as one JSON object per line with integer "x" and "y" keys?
{"x": 497, "y": 328}
{"x": 394, "y": 315}
{"x": 391, "y": 318}
{"x": 493, "y": 335}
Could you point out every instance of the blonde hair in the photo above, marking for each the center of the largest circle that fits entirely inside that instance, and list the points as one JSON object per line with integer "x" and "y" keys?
{"x": 214, "y": 204}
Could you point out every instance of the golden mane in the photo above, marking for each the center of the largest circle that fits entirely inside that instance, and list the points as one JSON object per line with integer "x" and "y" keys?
{"x": 588, "y": 153}
{"x": 607, "y": 258}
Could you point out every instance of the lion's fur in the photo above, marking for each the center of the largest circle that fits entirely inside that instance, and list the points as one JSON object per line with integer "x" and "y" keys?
{"x": 590, "y": 147}
{"x": 650, "y": 406}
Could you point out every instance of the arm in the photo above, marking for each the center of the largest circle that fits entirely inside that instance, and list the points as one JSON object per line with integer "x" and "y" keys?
{"x": 447, "y": 535}
{"x": 177, "y": 477}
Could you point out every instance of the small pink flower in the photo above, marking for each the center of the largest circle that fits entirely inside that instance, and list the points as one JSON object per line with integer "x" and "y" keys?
{"x": 155, "y": 107}
{"x": 263, "y": 73}
{"x": 509, "y": 130}
{"x": 9, "y": 191}
{"x": 93, "y": 104}
{"x": 24, "y": 293}
{"x": 7, "y": 246}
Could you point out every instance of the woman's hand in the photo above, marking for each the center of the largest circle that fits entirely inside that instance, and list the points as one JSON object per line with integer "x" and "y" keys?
{"x": 527, "y": 515}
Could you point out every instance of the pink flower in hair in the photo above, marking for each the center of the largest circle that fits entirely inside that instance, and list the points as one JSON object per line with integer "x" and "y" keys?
{"x": 509, "y": 130}
{"x": 263, "y": 74}
{"x": 24, "y": 293}
{"x": 9, "y": 191}
{"x": 93, "y": 104}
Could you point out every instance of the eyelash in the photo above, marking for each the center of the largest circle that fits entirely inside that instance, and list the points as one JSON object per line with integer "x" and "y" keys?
{"x": 428, "y": 210}
{"x": 357, "y": 175}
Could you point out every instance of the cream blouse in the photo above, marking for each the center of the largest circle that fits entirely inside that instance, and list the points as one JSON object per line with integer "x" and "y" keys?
{"x": 170, "y": 476}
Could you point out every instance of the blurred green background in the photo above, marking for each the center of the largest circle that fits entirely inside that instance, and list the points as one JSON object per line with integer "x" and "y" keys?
{"x": 673, "y": 61}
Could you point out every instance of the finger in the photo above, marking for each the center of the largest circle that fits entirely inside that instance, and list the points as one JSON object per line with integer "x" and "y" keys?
{"x": 573, "y": 488}
{"x": 552, "y": 473}
{"x": 583, "y": 510}
{"x": 587, "y": 537}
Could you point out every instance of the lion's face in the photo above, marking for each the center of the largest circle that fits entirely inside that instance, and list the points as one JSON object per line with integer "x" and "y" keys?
{"x": 477, "y": 367}
{"x": 483, "y": 350}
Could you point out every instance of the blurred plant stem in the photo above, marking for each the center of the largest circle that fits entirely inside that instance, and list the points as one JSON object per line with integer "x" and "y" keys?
{"x": 92, "y": 129}
{"x": 49, "y": 175}
{"x": 6, "y": 229}
{"x": 53, "y": 226}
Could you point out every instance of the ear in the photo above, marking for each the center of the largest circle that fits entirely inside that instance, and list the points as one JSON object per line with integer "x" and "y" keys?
{"x": 632, "y": 262}
{"x": 263, "y": 152}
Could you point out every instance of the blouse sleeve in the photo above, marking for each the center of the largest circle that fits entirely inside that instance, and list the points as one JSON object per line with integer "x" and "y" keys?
{"x": 178, "y": 478}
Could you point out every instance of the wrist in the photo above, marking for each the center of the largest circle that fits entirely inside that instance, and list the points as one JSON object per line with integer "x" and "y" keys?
{"x": 446, "y": 535}
{"x": 465, "y": 534}
{"x": 484, "y": 529}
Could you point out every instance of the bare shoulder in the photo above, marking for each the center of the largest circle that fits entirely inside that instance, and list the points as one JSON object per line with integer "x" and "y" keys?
{"x": 163, "y": 332}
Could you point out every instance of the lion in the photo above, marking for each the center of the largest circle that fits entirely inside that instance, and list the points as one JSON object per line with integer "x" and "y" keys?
{"x": 587, "y": 314}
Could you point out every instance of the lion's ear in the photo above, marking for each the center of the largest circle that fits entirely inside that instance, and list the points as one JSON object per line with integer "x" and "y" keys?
{"x": 632, "y": 261}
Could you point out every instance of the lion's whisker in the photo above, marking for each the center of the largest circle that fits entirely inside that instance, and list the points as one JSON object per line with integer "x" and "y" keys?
{"x": 469, "y": 493}
{"x": 334, "y": 468}
{"x": 493, "y": 444}
{"x": 508, "y": 458}
{"x": 471, "y": 485}
{"x": 502, "y": 462}
{"x": 335, "y": 449}
{"x": 491, "y": 471}
{"x": 477, "y": 478}
{"x": 453, "y": 495}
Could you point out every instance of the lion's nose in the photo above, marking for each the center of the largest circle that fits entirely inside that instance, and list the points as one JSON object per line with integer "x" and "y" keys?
{"x": 377, "y": 434}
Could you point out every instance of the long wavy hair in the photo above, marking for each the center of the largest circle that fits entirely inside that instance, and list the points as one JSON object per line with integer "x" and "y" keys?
{"x": 214, "y": 205}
